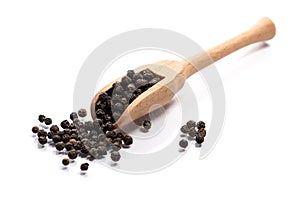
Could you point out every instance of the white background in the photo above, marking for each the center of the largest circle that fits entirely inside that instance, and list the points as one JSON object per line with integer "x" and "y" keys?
{"x": 43, "y": 45}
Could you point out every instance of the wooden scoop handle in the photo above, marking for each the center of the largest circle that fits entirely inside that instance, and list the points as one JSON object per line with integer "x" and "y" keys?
{"x": 263, "y": 30}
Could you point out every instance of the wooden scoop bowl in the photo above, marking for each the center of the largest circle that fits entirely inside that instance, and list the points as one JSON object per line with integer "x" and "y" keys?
{"x": 176, "y": 72}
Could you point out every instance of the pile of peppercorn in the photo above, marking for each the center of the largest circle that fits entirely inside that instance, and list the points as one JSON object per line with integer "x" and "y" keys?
{"x": 111, "y": 104}
{"x": 194, "y": 131}
{"x": 81, "y": 138}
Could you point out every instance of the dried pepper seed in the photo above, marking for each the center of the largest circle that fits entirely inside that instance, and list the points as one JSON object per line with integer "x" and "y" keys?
{"x": 191, "y": 124}
{"x": 128, "y": 140}
{"x": 109, "y": 126}
{"x": 48, "y": 121}
{"x": 131, "y": 88}
{"x": 72, "y": 154}
{"x": 147, "y": 124}
{"x": 73, "y": 116}
{"x": 101, "y": 151}
{"x": 65, "y": 124}
{"x": 192, "y": 132}
{"x": 199, "y": 139}
{"x": 118, "y": 107}
{"x": 82, "y": 112}
{"x": 200, "y": 125}
{"x": 72, "y": 126}
{"x": 184, "y": 129}
{"x": 73, "y": 141}
{"x": 50, "y": 135}
{"x": 42, "y": 118}
{"x": 115, "y": 156}
{"x": 42, "y": 133}
{"x": 42, "y": 140}
{"x": 54, "y": 129}
{"x": 56, "y": 138}
{"x": 35, "y": 129}
{"x": 137, "y": 76}
{"x": 84, "y": 167}
{"x": 65, "y": 138}
{"x": 183, "y": 143}
{"x": 202, "y": 132}
{"x": 130, "y": 73}
{"x": 65, "y": 161}
{"x": 59, "y": 146}
{"x": 141, "y": 82}
{"x": 69, "y": 146}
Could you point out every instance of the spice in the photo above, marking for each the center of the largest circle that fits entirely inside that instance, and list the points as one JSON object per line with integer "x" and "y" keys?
{"x": 202, "y": 132}
{"x": 56, "y": 138}
{"x": 59, "y": 146}
{"x": 115, "y": 156}
{"x": 84, "y": 166}
{"x": 42, "y": 118}
{"x": 48, "y": 121}
{"x": 183, "y": 143}
{"x": 65, "y": 161}
{"x": 200, "y": 125}
{"x": 35, "y": 129}
{"x": 72, "y": 154}
{"x": 42, "y": 140}
{"x": 192, "y": 132}
{"x": 82, "y": 112}
{"x": 69, "y": 146}
{"x": 54, "y": 129}
{"x": 191, "y": 124}
{"x": 199, "y": 139}
{"x": 73, "y": 116}
{"x": 184, "y": 129}
{"x": 147, "y": 124}
{"x": 65, "y": 124}
{"x": 128, "y": 140}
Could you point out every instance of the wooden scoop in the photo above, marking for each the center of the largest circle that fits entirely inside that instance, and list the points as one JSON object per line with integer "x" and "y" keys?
{"x": 175, "y": 73}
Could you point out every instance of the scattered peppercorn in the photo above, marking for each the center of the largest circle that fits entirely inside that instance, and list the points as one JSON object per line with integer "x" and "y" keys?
{"x": 59, "y": 146}
{"x": 65, "y": 161}
{"x": 115, "y": 156}
{"x": 35, "y": 129}
{"x": 84, "y": 166}
{"x": 42, "y": 140}
{"x": 48, "y": 121}
{"x": 73, "y": 116}
{"x": 82, "y": 112}
{"x": 199, "y": 139}
{"x": 42, "y": 118}
{"x": 183, "y": 143}
{"x": 184, "y": 129}
{"x": 127, "y": 140}
{"x": 200, "y": 125}
{"x": 191, "y": 124}
{"x": 147, "y": 124}
{"x": 72, "y": 154}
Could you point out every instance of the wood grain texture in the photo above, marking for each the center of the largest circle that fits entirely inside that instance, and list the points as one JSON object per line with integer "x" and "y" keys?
{"x": 176, "y": 72}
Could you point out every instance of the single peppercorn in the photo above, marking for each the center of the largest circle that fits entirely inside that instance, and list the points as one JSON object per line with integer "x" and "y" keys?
{"x": 54, "y": 129}
{"x": 200, "y": 125}
{"x": 69, "y": 146}
{"x": 42, "y": 133}
{"x": 73, "y": 116}
{"x": 59, "y": 146}
{"x": 202, "y": 132}
{"x": 72, "y": 154}
{"x": 192, "y": 132}
{"x": 147, "y": 124}
{"x": 183, "y": 143}
{"x": 130, "y": 73}
{"x": 35, "y": 129}
{"x": 184, "y": 129}
{"x": 42, "y": 140}
{"x": 56, "y": 138}
{"x": 82, "y": 112}
{"x": 191, "y": 124}
{"x": 115, "y": 156}
{"x": 42, "y": 118}
{"x": 65, "y": 161}
{"x": 128, "y": 140}
{"x": 48, "y": 121}
{"x": 199, "y": 139}
{"x": 84, "y": 166}
{"x": 65, "y": 124}
{"x": 73, "y": 141}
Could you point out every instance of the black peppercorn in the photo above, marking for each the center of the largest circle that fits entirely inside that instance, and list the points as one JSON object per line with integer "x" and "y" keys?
{"x": 73, "y": 116}
{"x": 42, "y": 118}
{"x": 184, "y": 129}
{"x": 42, "y": 133}
{"x": 115, "y": 156}
{"x": 72, "y": 154}
{"x": 183, "y": 143}
{"x": 56, "y": 138}
{"x": 131, "y": 88}
{"x": 35, "y": 129}
{"x": 82, "y": 112}
{"x": 59, "y": 146}
{"x": 42, "y": 140}
{"x": 54, "y": 129}
{"x": 101, "y": 151}
{"x": 84, "y": 166}
{"x": 141, "y": 82}
{"x": 191, "y": 124}
{"x": 199, "y": 139}
{"x": 137, "y": 76}
{"x": 118, "y": 107}
{"x": 202, "y": 132}
{"x": 69, "y": 146}
{"x": 109, "y": 126}
{"x": 130, "y": 73}
{"x": 147, "y": 124}
{"x": 48, "y": 121}
{"x": 200, "y": 125}
{"x": 192, "y": 132}
{"x": 65, "y": 161}
{"x": 128, "y": 140}
{"x": 50, "y": 135}
{"x": 65, "y": 124}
